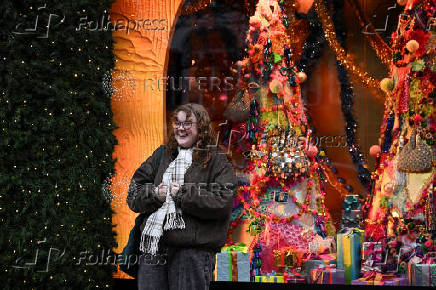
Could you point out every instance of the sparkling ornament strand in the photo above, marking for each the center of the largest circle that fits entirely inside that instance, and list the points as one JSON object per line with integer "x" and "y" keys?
{"x": 345, "y": 59}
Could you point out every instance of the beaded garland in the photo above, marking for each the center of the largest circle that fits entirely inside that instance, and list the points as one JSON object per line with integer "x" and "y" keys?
{"x": 311, "y": 53}
{"x": 341, "y": 54}
{"x": 409, "y": 107}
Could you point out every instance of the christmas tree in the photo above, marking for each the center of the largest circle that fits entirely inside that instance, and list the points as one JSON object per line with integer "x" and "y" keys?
{"x": 402, "y": 203}
{"x": 284, "y": 198}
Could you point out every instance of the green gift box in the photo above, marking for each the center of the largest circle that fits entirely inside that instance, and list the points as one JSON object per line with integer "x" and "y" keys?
{"x": 233, "y": 264}
{"x": 349, "y": 247}
{"x": 269, "y": 279}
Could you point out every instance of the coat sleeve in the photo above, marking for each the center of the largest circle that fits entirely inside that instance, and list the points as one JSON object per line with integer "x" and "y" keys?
{"x": 141, "y": 196}
{"x": 214, "y": 200}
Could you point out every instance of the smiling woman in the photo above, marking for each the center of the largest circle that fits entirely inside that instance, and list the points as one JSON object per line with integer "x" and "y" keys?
{"x": 187, "y": 196}
{"x": 184, "y": 131}
{"x": 196, "y": 131}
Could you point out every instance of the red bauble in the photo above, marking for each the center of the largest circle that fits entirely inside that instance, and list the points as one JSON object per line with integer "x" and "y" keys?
{"x": 312, "y": 151}
{"x": 374, "y": 150}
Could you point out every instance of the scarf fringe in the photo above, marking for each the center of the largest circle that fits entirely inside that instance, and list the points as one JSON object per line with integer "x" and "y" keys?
{"x": 167, "y": 217}
{"x": 174, "y": 221}
{"x": 150, "y": 245}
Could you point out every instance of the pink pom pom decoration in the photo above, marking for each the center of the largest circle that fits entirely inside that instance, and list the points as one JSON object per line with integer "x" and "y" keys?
{"x": 374, "y": 150}
{"x": 312, "y": 151}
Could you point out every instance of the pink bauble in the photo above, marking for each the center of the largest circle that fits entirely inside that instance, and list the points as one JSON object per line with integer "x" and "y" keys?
{"x": 412, "y": 45}
{"x": 374, "y": 150}
{"x": 312, "y": 151}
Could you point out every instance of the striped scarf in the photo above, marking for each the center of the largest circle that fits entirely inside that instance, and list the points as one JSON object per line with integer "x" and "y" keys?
{"x": 154, "y": 226}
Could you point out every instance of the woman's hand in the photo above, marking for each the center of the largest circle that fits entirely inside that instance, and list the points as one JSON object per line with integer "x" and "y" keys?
{"x": 174, "y": 188}
{"x": 162, "y": 192}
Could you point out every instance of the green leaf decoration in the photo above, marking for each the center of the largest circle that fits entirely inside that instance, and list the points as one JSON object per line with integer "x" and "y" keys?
{"x": 418, "y": 65}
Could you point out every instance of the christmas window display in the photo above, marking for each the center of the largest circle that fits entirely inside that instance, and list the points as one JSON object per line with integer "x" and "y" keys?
{"x": 385, "y": 232}
{"x": 383, "y": 240}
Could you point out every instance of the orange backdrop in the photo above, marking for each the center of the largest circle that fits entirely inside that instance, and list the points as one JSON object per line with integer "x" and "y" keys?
{"x": 140, "y": 116}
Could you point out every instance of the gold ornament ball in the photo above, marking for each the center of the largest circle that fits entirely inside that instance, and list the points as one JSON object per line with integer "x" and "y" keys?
{"x": 302, "y": 77}
{"x": 402, "y": 2}
{"x": 387, "y": 85}
{"x": 412, "y": 45}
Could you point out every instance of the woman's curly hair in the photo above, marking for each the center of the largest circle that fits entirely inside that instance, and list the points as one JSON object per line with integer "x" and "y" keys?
{"x": 206, "y": 138}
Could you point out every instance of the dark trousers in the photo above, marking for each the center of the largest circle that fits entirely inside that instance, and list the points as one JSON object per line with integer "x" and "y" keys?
{"x": 176, "y": 269}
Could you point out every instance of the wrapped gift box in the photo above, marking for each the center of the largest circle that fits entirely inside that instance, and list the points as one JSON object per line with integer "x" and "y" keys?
{"x": 309, "y": 265}
{"x": 296, "y": 276}
{"x": 328, "y": 259}
{"x": 374, "y": 278}
{"x": 324, "y": 274}
{"x": 351, "y": 218}
{"x": 351, "y": 211}
{"x": 349, "y": 246}
{"x": 296, "y": 280}
{"x": 233, "y": 264}
{"x": 269, "y": 279}
{"x": 422, "y": 274}
{"x": 312, "y": 261}
{"x": 351, "y": 202}
{"x": 288, "y": 257}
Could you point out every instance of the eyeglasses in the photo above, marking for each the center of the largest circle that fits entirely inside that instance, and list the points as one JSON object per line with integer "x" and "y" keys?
{"x": 186, "y": 125}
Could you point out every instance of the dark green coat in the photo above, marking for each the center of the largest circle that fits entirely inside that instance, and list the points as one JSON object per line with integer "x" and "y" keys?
{"x": 206, "y": 199}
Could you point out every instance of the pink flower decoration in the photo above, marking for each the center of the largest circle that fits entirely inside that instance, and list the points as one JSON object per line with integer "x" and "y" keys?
{"x": 263, "y": 37}
{"x": 429, "y": 244}
{"x": 418, "y": 118}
